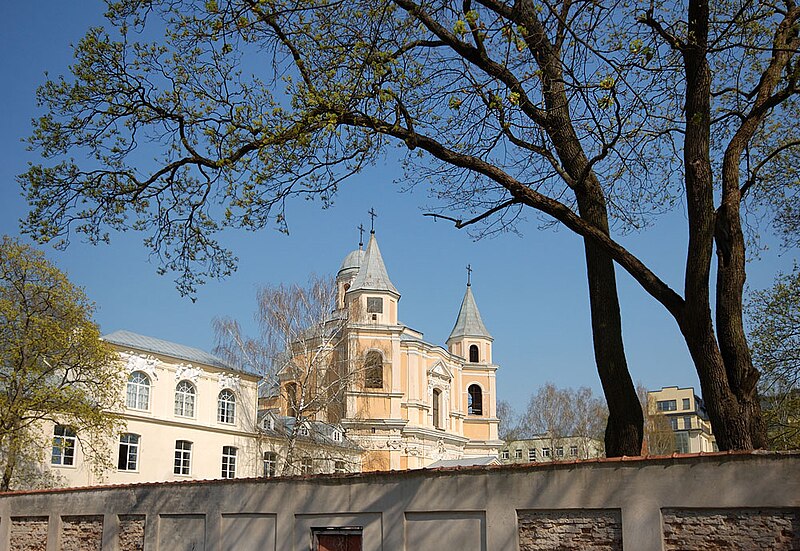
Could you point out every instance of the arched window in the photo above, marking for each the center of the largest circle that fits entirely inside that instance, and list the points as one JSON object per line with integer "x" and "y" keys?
{"x": 226, "y": 407}
{"x": 184, "y": 399}
{"x": 473, "y": 353}
{"x": 474, "y": 400}
{"x": 437, "y": 408}
{"x": 373, "y": 370}
{"x": 138, "y": 392}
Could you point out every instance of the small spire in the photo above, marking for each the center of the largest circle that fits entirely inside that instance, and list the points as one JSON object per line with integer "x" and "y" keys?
{"x": 469, "y": 275}
{"x": 372, "y": 215}
{"x": 360, "y": 236}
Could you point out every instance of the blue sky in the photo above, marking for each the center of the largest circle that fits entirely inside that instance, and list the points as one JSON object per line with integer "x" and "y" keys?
{"x": 531, "y": 290}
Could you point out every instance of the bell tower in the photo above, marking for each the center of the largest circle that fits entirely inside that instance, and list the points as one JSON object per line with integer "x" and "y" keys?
{"x": 469, "y": 338}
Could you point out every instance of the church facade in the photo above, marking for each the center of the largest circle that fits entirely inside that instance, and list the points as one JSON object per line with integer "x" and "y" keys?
{"x": 406, "y": 402}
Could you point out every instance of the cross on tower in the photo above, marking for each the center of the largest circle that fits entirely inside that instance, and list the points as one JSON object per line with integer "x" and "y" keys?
{"x": 360, "y": 229}
{"x": 469, "y": 275}
{"x": 372, "y": 215}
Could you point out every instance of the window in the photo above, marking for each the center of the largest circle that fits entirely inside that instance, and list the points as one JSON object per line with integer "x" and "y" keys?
{"x": 687, "y": 403}
{"x": 504, "y": 454}
{"x": 532, "y": 454}
{"x": 437, "y": 408}
{"x": 666, "y": 405}
{"x": 673, "y": 422}
{"x": 183, "y": 457}
{"x": 64, "y": 439}
{"x": 373, "y": 370}
{"x": 687, "y": 422}
{"x": 302, "y": 430}
{"x": 473, "y": 353}
{"x": 474, "y": 400}
{"x": 339, "y": 467}
{"x": 518, "y": 454}
{"x": 228, "y": 462}
{"x": 545, "y": 452}
{"x": 682, "y": 442}
{"x": 270, "y": 462}
{"x": 138, "y": 392}
{"x": 374, "y": 305}
{"x": 128, "y": 452}
{"x": 226, "y": 407}
{"x": 336, "y": 436}
{"x": 573, "y": 451}
{"x": 184, "y": 399}
{"x": 306, "y": 465}
{"x": 560, "y": 451}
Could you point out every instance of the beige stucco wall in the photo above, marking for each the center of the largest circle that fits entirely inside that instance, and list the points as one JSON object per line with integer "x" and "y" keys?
{"x": 159, "y": 428}
{"x": 476, "y": 509}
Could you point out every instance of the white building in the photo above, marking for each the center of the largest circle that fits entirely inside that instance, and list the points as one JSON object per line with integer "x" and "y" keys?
{"x": 687, "y": 418}
{"x": 189, "y": 416}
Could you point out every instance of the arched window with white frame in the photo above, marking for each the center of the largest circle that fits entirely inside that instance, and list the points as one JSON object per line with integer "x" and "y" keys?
{"x": 474, "y": 400}
{"x": 137, "y": 394}
{"x": 226, "y": 407}
{"x": 185, "y": 393}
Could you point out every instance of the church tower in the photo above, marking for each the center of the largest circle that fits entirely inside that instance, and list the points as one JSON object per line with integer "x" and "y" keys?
{"x": 469, "y": 338}
{"x": 371, "y": 294}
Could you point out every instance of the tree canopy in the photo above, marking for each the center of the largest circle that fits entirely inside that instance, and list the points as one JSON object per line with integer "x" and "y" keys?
{"x": 54, "y": 368}
{"x": 595, "y": 114}
{"x": 774, "y": 320}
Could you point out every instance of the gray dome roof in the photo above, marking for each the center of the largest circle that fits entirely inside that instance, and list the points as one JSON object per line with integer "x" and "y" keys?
{"x": 352, "y": 260}
{"x": 469, "y": 322}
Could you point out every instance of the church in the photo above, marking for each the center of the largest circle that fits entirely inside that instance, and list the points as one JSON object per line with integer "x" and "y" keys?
{"x": 358, "y": 391}
{"x": 408, "y": 403}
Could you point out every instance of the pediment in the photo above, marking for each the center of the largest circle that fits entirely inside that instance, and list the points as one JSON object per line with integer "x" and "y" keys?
{"x": 441, "y": 371}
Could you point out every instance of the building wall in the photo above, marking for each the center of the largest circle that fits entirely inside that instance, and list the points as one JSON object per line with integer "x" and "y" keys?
{"x": 689, "y": 420}
{"x": 717, "y": 501}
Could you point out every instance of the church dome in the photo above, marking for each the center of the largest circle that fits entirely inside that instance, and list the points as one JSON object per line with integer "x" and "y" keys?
{"x": 352, "y": 260}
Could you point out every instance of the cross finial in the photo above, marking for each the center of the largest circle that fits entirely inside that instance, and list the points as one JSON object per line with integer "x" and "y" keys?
{"x": 469, "y": 275}
{"x": 372, "y": 215}
{"x": 360, "y": 235}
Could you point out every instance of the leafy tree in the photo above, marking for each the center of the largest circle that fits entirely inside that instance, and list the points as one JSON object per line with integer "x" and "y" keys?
{"x": 594, "y": 114}
{"x": 774, "y": 319}
{"x": 55, "y": 368}
{"x": 561, "y": 414}
{"x": 301, "y": 353}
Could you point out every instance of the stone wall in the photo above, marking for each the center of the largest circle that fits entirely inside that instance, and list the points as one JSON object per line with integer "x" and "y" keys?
{"x": 719, "y": 529}
{"x": 709, "y": 502}
{"x": 28, "y": 533}
{"x": 584, "y": 529}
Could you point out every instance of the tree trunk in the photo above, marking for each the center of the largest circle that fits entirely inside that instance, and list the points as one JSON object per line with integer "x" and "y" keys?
{"x": 625, "y": 428}
{"x": 11, "y": 461}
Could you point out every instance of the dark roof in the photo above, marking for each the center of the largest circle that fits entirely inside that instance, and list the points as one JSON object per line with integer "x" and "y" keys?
{"x": 144, "y": 343}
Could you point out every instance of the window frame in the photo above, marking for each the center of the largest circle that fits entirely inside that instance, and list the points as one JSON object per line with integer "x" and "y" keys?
{"x": 140, "y": 388}
{"x": 270, "y": 463}
{"x": 374, "y": 305}
{"x": 667, "y": 405}
{"x": 373, "y": 370}
{"x": 306, "y": 465}
{"x": 131, "y": 450}
{"x": 64, "y": 446}
{"x": 226, "y": 407}
{"x": 518, "y": 453}
{"x": 532, "y": 454}
{"x": 546, "y": 452}
{"x": 436, "y": 407}
{"x": 475, "y": 391}
{"x": 182, "y": 465}
{"x": 229, "y": 454}
{"x": 185, "y": 401}
{"x": 476, "y": 357}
